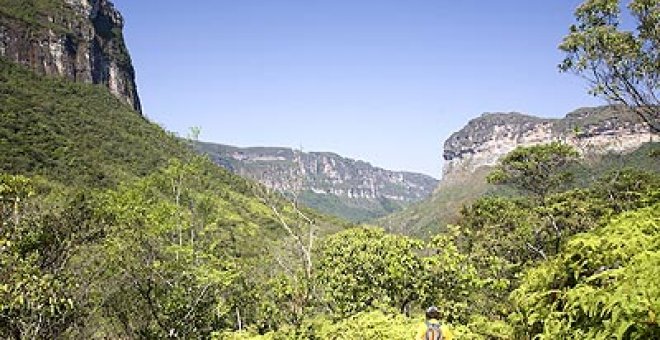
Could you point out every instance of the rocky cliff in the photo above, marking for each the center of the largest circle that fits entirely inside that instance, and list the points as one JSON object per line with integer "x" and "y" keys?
{"x": 484, "y": 140}
{"x": 326, "y": 178}
{"x": 77, "y": 39}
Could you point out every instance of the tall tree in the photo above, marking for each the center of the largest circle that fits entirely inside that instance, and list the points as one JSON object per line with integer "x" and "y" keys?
{"x": 622, "y": 66}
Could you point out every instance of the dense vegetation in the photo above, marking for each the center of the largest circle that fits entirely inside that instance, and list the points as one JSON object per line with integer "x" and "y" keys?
{"x": 577, "y": 262}
{"x": 74, "y": 133}
{"x": 357, "y": 210}
{"x": 619, "y": 64}
{"x": 36, "y": 12}
{"x": 190, "y": 251}
{"x": 112, "y": 228}
{"x": 104, "y": 234}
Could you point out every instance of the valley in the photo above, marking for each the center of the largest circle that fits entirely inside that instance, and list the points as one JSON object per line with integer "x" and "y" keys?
{"x": 332, "y": 184}
{"x": 113, "y": 227}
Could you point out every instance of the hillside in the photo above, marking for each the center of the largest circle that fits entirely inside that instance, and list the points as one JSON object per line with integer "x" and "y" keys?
{"x": 75, "y": 133}
{"x": 113, "y": 228}
{"x": 116, "y": 227}
{"x": 102, "y": 213}
{"x": 325, "y": 181}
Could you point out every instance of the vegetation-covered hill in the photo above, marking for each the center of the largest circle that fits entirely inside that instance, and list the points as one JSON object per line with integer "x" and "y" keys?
{"x": 110, "y": 228}
{"x": 115, "y": 238}
{"x": 75, "y": 133}
{"x": 116, "y": 228}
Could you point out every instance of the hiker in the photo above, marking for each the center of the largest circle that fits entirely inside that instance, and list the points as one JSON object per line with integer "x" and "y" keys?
{"x": 431, "y": 329}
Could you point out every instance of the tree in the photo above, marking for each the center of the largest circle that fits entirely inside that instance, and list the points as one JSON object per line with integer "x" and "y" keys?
{"x": 36, "y": 294}
{"x": 539, "y": 169}
{"x": 298, "y": 249}
{"x": 622, "y": 66}
{"x": 165, "y": 266}
{"x": 364, "y": 268}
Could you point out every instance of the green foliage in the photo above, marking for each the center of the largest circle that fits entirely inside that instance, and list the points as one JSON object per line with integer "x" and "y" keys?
{"x": 352, "y": 209}
{"x": 37, "y": 296}
{"x": 364, "y": 325}
{"x": 35, "y": 12}
{"x": 363, "y": 268}
{"x": 173, "y": 248}
{"x": 604, "y": 284}
{"x": 538, "y": 169}
{"x": 503, "y": 236}
{"x": 75, "y": 133}
{"x": 520, "y": 231}
{"x": 620, "y": 65}
{"x": 449, "y": 278}
{"x": 501, "y": 227}
{"x": 628, "y": 189}
{"x": 168, "y": 245}
{"x": 429, "y": 217}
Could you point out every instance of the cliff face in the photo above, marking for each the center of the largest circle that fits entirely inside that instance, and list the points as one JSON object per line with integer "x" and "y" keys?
{"x": 77, "y": 39}
{"x": 591, "y": 130}
{"x": 320, "y": 172}
{"x": 352, "y": 189}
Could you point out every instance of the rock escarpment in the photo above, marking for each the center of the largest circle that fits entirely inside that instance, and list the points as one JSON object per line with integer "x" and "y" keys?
{"x": 487, "y": 138}
{"x": 339, "y": 186}
{"x": 77, "y": 39}
{"x": 325, "y": 173}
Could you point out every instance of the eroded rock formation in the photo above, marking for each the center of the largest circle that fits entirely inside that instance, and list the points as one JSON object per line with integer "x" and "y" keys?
{"x": 77, "y": 39}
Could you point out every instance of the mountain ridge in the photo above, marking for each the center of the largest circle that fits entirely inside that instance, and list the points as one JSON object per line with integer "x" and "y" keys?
{"x": 320, "y": 175}
{"x": 592, "y": 130}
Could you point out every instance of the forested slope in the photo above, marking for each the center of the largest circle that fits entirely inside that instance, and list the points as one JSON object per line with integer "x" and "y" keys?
{"x": 111, "y": 227}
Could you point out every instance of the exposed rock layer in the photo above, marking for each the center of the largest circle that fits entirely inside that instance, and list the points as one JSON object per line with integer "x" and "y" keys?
{"x": 77, "y": 39}
{"x": 484, "y": 140}
{"x": 324, "y": 173}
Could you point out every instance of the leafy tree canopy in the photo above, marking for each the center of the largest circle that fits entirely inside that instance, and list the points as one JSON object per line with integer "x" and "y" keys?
{"x": 538, "y": 169}
{"x": 605, "y": 284}
{"x": 621, "y": 65}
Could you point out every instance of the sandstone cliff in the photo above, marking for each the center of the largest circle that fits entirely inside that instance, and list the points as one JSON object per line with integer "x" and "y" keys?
{"x": 484, "y": 140}
{"x": 77, "y": 39}
{"x": 330, "y": 183}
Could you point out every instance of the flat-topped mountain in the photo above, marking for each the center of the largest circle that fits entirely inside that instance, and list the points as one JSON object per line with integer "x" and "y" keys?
{"x": 599, "y": 130}
{"x": 80, "y": 40}
{"x": 332, "y": 183}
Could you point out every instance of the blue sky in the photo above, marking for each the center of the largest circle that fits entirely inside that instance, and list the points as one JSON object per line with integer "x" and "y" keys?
{"x": 385, "y": 81}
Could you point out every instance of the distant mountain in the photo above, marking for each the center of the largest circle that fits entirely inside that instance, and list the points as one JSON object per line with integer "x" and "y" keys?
{"x": 596, "y": 130}
{"x": 608, "y": 137}
{"x": 349, "y": 188}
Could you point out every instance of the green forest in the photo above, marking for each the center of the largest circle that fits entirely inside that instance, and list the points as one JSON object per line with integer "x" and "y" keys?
{"x": 113, "y": 228}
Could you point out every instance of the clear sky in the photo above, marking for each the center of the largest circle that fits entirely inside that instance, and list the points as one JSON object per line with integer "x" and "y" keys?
{"x": 385, "y": 81}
